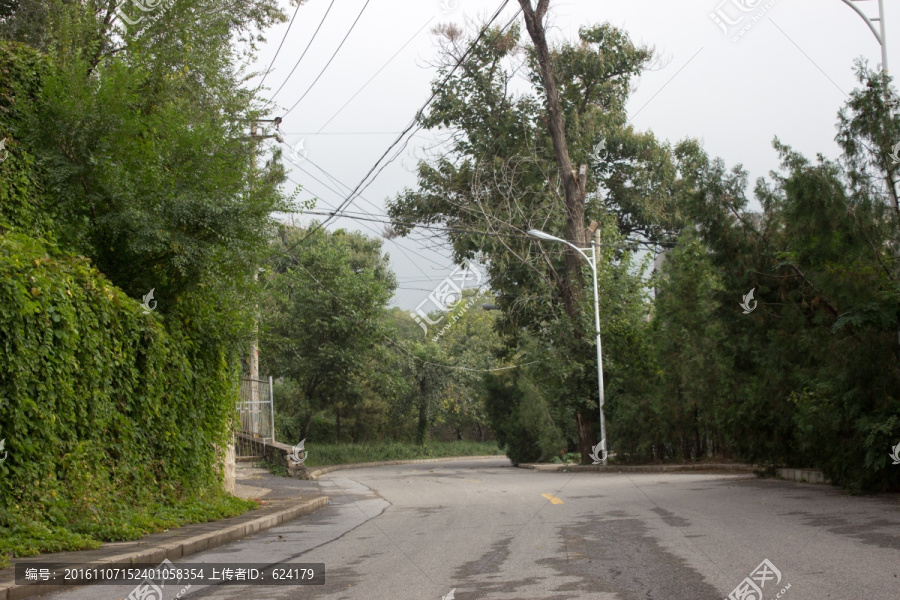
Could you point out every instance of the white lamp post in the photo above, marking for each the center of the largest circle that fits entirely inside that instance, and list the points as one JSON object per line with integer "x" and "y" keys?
{"x": 592, "y": 260}
{"x": 880, "y": 33}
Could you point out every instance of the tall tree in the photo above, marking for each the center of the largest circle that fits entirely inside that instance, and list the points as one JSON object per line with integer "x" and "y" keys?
{"x": 501, "y": 177}
{"x": 574, "y": 183}
{"x": 324, "y": 315}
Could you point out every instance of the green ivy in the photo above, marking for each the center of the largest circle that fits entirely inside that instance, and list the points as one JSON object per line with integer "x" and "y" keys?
{"x": 109, "y": 419}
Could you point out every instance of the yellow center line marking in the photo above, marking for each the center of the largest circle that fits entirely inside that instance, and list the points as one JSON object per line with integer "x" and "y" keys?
{"x": 553, "y": 499}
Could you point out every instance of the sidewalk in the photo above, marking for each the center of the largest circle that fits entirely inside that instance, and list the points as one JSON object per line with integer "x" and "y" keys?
{"x": 281, "y": 500}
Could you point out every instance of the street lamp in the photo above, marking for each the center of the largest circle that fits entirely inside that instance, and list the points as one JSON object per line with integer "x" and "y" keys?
{"x": 592, "y": 261}
{"x": 880, "y": 33}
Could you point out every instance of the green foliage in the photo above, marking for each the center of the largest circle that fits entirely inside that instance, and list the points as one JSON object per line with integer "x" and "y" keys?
{"x": 810, "y": 377}
{"x": 94, "y": 395}
{"x": 21, "y": 203}
{"x": 500, "y": 160}
{"x": 129, "y": 169}
{"x": 323, "y": 319}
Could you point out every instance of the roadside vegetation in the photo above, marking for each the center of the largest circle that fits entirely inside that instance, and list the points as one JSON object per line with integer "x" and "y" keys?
{"x": 809, "y": 376}
{"x": 124, "y": 171}
{"x": 128, "y": 167}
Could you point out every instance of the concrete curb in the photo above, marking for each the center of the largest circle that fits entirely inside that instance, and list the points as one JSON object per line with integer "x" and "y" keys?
{"x": 317, "y": 472}
{"x": 802, "y": 475}
{"x": 176, "y": 549}
{"x": 700, "y": 467}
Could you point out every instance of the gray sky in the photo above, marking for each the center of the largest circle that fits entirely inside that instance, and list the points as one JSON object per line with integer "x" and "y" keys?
{"x": 787, "y": 76}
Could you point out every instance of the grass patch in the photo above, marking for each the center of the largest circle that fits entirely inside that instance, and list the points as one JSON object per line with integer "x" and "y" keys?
{"x": 569, "y": 459}
{"x": 275, "y": 467}
{"x": 321, "y": 455}
{"x": 21, "y": 536}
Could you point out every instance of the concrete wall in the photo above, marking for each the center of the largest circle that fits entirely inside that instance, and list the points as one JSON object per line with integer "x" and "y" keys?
{"x": 230, "y": 468}
{"x": 225, "y": 465}
{"x": 273, "y": 451}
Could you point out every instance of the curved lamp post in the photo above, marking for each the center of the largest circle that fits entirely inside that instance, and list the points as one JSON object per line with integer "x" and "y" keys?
{"x": 880, "y": 32}
{"x": 592, "y": 261}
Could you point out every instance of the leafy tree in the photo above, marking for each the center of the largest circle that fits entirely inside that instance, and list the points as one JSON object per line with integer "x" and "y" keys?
{"x": 500, "y": 178}
{"x": 323, "y": 317}
{"x": 810, "y": 376}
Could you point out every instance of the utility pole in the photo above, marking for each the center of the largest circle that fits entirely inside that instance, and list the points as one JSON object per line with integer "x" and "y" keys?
{"x": 253, "y": 357}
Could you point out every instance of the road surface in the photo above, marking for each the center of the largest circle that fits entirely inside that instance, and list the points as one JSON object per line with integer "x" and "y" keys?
{"x": 487, "y": 530}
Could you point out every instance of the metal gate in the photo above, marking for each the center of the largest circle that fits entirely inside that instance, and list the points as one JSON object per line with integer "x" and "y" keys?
{"x": 256, "y": 409}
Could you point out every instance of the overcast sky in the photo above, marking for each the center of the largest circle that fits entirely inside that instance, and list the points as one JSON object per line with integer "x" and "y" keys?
{"x": 787, "y": 76}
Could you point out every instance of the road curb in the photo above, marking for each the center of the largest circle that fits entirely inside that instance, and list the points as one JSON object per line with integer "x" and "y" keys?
{"x": 314, "y": 474}
{"x": 175, "y": 550}
{"x": 802, "y": 475}
{"x": 692, "y": 468}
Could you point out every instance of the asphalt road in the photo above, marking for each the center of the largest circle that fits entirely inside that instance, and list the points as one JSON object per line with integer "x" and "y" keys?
{"x": 490, "y": 531}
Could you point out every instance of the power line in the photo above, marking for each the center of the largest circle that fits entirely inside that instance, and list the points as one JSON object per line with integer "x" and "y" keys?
{"x": 395, "y": 242}
{"x": 283, "y": 38}
{"x": 433, "y": 95}
{"x": 325, "y": 68}
{"x": 409, "y": 127}
{"x": 342, "y": 133}
{"x": 370, "y": 203}
{"x": 312, "y": 39}
{"x": 383, "y": 67}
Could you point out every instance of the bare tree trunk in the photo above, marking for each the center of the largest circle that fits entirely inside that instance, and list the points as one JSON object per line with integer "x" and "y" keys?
{"x": 573, "y": 182}
{"x": 584, "y": 444}
{"x": 422, "y": 429}
{"x": 306, "y": 422}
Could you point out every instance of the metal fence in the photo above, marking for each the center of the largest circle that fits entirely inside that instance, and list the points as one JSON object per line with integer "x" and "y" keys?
{"x": 256, "y": 409}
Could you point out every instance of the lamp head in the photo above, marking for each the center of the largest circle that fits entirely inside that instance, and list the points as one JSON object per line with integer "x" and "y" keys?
{"x": 535, "y": 233}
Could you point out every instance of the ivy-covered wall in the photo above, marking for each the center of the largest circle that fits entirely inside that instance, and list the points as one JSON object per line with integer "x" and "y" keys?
{"x": 101, "y": 408}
